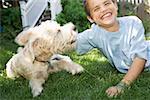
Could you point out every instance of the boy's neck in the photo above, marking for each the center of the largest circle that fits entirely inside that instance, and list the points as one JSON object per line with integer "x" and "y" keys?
{"x": 112, "y": 28}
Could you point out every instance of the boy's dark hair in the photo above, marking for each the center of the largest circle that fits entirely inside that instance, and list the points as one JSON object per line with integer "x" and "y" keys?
{"x": 85, "y": 5}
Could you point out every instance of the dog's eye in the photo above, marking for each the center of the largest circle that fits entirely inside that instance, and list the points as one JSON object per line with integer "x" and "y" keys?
{"x": 72, "y": 41}
{"x": 56, "y": 58}
{"x": 58, "y": 31}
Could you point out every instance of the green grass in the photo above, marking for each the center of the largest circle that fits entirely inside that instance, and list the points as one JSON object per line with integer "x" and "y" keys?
{"x": 89, "y": 85}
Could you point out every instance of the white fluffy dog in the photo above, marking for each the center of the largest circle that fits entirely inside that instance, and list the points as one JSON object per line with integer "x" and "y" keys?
{"x": 40, "y": 43}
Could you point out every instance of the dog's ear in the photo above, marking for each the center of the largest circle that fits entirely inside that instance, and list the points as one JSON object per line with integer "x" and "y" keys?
{"x": 23, "y": 37}
{"x": 42, "y": 49}
{"x": 28, "y": 51}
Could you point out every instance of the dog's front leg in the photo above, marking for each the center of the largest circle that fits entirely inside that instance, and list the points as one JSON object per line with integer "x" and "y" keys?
{"x": 36, "y": 86}
{"x": 53, "y": 69}
{"x": 60, "y": 62}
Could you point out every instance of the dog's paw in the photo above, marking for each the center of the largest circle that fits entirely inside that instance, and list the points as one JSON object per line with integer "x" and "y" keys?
{"x": 76, "y": 69}
{"x": 36, "y": 87}
{"x": 37, "y": 91}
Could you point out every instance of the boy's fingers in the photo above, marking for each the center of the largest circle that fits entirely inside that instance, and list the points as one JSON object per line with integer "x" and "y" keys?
{"x": 112, "y": 91}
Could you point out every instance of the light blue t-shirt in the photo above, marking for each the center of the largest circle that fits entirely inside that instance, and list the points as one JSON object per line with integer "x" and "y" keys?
{"x": 119, "y": 47}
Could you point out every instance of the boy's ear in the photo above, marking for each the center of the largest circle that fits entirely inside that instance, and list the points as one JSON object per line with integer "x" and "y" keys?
{"x": 90, "y": 19}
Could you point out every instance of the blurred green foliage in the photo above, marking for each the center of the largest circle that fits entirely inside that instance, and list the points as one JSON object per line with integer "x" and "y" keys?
{"x": 73, "y": 11}
{"x": 11, "y": 22}
{"x": 146, "y": 24}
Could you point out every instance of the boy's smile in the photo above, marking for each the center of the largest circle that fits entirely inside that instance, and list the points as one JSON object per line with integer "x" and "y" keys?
{"x": 103, "y": 13}
{"x": 107, "y": 15}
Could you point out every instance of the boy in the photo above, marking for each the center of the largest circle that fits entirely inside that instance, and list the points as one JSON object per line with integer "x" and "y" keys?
{"x": 120, "y": 39}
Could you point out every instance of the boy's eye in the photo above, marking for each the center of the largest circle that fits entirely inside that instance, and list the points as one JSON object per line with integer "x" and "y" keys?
{"x": 107, "y": 3}
{"x": 96, "y": 9}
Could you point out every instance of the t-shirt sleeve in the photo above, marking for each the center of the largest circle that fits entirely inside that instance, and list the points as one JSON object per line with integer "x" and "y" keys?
{"x": 138, "y": 43}
{"x": 83, "y": 44}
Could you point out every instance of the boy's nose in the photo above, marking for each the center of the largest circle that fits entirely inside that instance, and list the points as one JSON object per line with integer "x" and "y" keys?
{"x": 103, "y": 9}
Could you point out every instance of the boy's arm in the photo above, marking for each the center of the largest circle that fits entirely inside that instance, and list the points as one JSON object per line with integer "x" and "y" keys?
{"x": 132, "y": 74}
{"x": 134, "y": 71}
{"x": 139, "y": 56}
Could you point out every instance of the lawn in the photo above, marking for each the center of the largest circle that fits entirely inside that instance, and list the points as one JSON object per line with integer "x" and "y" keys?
{"x": 89, "y": 85}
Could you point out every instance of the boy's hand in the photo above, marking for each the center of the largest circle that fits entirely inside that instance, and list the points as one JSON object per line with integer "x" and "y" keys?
{"x": 132, "y": 74}
{"x": 113, "y": 91}
{"x": 116, "y": 90}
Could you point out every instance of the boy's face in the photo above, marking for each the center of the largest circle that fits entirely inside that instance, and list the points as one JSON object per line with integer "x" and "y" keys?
{"x": 102, "y": 12}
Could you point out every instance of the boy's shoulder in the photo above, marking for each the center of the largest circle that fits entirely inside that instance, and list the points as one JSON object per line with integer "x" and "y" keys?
{"x": 130, "y": 19}
{"x": 89, "y": 30}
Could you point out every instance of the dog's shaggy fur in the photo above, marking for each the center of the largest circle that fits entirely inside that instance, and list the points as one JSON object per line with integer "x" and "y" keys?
{"x": 40, "y": 43}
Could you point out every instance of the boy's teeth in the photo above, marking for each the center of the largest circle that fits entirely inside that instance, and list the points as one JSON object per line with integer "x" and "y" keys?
{"x": 106, "y": 15}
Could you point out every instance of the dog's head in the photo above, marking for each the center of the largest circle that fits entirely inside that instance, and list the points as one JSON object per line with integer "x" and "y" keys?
{"x": 49, "y": 38}
{"x": 45, "y": 28}
{"x": 57, "y": 39}
{"x": 65, "y": 39}
{"x": 69, "y": 33}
